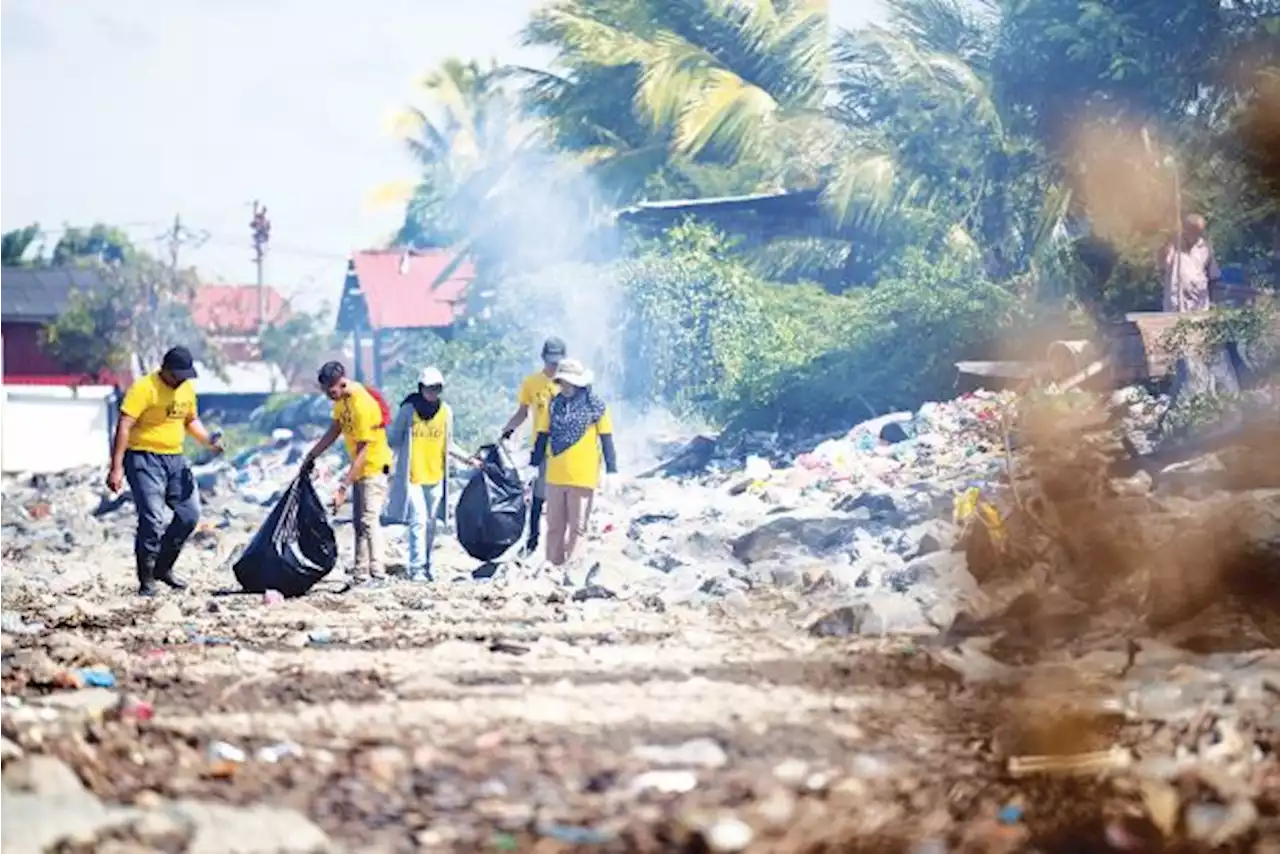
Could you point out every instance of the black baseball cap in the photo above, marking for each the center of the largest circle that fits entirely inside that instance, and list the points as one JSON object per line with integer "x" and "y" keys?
{"x": 178, "y": 362}
{"x": 553, "y": 349}
{"x": 330, "y": 373}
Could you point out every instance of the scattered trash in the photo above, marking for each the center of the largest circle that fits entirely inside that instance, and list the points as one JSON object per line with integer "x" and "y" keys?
{"x": 505, "y": 842}
{"x": 319, "y": 636}
{"x": 1115, "y": 759}
{"x": 1010, "y": 814}
{"x": 133, "y": 708}
{"x": 728, "y": 834}
{"x": 667, "y": 782}
{"x": 276, "y": 752}
{"x": 697, "y": 753}
{"x": 85, "y": 678}
{"x": 272, "y": 597}
{"x": 572, "y": 835}
{"x": 221, "y": 751}
{"x": 198, "y": 639}
{"x": 507, "y": 647}
{"x": 970, "y": 505}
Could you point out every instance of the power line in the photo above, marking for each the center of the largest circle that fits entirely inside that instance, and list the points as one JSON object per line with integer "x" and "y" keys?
{"x": 178, "y": 236}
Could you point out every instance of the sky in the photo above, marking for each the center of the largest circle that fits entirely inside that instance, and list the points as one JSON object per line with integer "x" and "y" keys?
{"x": 130, "y": 112}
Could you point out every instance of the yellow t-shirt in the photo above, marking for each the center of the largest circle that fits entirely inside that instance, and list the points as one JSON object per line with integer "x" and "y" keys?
{"x": 360, "y": 418}
{"x": 579, "y": 464}
{"x": 536, "y": 392}
{"x": 162, "y": 414}
{"x": 427, "y": 454}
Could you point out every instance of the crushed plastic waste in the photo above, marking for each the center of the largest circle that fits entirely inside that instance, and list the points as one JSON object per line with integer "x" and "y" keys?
{"x": 573, "y": 835}
{"x": 276, "y": 752}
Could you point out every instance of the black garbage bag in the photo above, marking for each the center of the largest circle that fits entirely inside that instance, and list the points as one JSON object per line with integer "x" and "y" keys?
{"x": 491, "y": 509}
{"x": 294, "y": 548}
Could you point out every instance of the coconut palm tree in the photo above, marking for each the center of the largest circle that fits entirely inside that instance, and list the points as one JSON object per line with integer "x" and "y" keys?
{"x": 653, "y": 91}
{"x": 489, "y": 185}
{"x": 929, "y": 141}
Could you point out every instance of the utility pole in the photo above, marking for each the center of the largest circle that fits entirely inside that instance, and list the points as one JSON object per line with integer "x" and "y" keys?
{"x": 261, "y": 227}
{"x": 179, "y": 236}
{"x": 174, "y": 240}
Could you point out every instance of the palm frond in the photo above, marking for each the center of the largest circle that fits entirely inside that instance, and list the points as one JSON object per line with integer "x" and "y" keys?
{"x": 863, "y": 191}
{"x": 728, "y": 111}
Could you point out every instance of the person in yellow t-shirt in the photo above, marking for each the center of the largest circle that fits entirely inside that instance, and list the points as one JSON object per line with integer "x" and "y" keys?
{"x": 357, "y": 418}
{"x": 535, "y": 395}
{"x": 157, "y": 413}
{"x": 422, "y": 439}
{"x": 573, "y": 437}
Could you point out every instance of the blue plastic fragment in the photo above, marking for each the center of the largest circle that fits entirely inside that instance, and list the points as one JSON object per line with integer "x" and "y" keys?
{"x": 97, "y": 678}
{"x": 1011, "y": 814}
{"x": 572, "y": 835}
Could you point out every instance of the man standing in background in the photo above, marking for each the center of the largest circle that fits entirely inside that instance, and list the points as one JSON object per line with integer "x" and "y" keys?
{"x": 358, "y": 418}
{"x": 1189, "y": 271}
{"x": 1188, "y": 267}
{"x": 535, "y": 395}
{"x": 155, "y": 416}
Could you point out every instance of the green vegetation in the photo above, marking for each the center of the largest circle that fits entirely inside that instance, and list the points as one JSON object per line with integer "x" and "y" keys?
{"x": 982, "y": 170}
{"x": 974, "y": 171}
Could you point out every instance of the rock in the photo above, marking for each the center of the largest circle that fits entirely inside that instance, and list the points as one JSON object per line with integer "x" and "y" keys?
{"x": 785, "y": 536}
{"x": 261, "y": 829}
{"x": 163, "y": 828}
{"x": 37, "y": 823}
{"x": 880, "y": 505}
{"x": 936, "y": 535}
{"x": 691, "y": 459}
{"x": 93, "y": 702}
{"x": 878, "y": 614}
{"x": 696, "y": 753}
{"x": 9, "y": 750}
{"x": 791, "y": 772}
{"x": 44, "y": 776}
{"x": 169, "y": 612}
{"x": 386, "y": 763}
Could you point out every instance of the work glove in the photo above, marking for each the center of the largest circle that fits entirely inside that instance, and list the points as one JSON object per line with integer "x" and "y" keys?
{"x": 308, "y": 466}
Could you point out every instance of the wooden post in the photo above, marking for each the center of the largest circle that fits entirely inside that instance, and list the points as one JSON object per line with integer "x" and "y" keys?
{"x": 377, "y": 358}
{"x": 355, "y": 348}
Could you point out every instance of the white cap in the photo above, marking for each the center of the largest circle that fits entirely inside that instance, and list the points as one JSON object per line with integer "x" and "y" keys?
{"x": 431, "y": 376}
{"x": 572, "y": 372}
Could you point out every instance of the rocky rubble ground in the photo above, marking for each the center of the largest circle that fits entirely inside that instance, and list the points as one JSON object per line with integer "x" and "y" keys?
{"x": 949, "y": 630}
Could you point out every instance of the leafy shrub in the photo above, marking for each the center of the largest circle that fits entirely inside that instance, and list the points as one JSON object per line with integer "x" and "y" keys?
{"x": 901, "y": 340}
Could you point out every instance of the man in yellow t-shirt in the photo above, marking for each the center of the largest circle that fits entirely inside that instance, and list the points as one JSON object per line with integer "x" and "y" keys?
{"x": 535, "y": 395}
{"x": 357, "y": 418}
{"x": 157, "y": 413}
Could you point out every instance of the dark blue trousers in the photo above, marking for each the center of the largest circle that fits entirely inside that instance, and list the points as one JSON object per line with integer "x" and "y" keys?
{"x": 160, "y": 481}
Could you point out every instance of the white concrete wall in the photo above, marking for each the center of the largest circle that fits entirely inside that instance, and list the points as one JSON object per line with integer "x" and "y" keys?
{"x": 49, "y": 429}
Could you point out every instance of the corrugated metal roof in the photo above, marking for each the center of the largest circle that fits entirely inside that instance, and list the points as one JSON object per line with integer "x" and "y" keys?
{"x": 397, "y": 289}
{"x": 233, "y": 309}
{"x": 784, "y": 200}
{"x": 41, "y": 293}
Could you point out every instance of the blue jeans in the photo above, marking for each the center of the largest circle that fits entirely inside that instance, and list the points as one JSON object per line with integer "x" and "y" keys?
{"x": 424, "y": 504}
{"x": 158, "y": 481}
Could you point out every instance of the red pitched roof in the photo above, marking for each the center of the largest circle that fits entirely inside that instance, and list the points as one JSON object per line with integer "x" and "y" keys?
{"x": 397, "y": 287}
{"x": 233, "y": 309}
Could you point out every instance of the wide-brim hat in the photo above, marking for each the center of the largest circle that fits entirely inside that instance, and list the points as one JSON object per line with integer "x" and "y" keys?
{"x": 571, "y": 371}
